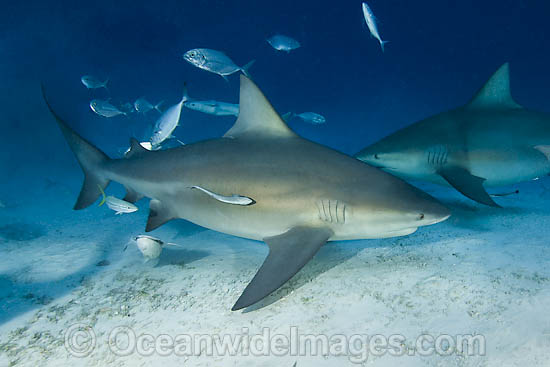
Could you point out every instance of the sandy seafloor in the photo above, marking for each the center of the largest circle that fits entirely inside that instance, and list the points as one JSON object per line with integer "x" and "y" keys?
{"x": 484, "y": 271}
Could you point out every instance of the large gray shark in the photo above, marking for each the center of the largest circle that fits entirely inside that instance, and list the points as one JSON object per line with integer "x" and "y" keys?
{"x": 491, "y": 141}
{"x": 261, "y": 181}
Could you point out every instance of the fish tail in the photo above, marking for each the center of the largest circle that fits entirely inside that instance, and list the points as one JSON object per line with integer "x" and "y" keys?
{"x": 288, "y": 116}
{"x": 185, "y": 96}
{"x": 157, "y": 106}
{"x": 91, "y": 160}
{"x": 245, "y": 68}
{"x": 104, "y": 197}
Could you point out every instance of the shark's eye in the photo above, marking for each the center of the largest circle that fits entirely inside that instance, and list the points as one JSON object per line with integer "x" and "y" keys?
{"x": 376, "y": 156}
{"x": 421, "y": 216}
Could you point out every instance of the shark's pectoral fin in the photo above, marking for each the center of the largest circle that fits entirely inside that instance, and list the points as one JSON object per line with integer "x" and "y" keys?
{"x": 288, "y": 253}
{"x": 132, "y": 196}
{"x": 467, "y": 184}
{"x": 158, "y": 215}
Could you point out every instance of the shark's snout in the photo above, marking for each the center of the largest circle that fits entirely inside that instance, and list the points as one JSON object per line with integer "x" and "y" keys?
{"x": 434, "y": 212}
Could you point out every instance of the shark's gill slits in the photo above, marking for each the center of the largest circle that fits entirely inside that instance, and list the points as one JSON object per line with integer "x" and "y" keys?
{"x": 437, "y": 155}
{"x": 332, "y": 211}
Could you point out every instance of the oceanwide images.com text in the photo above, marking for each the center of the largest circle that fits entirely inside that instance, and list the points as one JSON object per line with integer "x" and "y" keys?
{"x": 81, "y": 341}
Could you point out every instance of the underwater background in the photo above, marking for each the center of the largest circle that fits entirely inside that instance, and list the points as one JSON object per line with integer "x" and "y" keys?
{"x": 440, "y": 53}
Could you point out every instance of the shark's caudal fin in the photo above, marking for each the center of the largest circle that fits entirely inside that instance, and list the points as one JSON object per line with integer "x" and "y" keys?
{"x": 496, "y": 92}
{"x": 90, "y": 159}
{"x": 256, "y": 115}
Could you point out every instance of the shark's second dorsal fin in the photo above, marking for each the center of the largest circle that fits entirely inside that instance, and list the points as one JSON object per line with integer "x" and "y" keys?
{"x": 496, "y": 92}
{"x": 136, "y": 149}
{"x": 256, "y": 115}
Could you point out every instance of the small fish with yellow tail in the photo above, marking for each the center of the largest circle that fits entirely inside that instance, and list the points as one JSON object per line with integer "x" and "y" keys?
{"x": 118, "y": 205}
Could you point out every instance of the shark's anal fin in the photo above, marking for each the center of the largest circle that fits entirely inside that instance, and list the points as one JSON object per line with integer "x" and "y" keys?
{"x": 158, "y": 215}
{"x": 288, "y": 253}
{"x": 132, "y": 196}
{"x": 469, "y": 185}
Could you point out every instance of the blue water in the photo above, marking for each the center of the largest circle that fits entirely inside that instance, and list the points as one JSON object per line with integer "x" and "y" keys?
{"x": 440, "y": 53}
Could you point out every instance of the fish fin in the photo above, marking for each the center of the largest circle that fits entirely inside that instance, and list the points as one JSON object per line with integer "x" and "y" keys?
{"x": 544, "y": 149}
{"x": 382, "y": 44}
{"x": 288, "y": 253}
{"x": 179, "y": 141}
{"x": 245, "y": 68}
{"x": 132, "y": 196}
{"x": 288, "y": 116}
{"x": 119, "y": 213}
{"x": 90, "y": 159}
{"x": 256, "y": 115}
{"x": 158, "y": 215}
{"x": 467, "y": 184}
{"x": 136, "y": 149}
{"x": 173, "y": 245}
{"x": 496, "y": 92}
{"x": 157, "y": 106}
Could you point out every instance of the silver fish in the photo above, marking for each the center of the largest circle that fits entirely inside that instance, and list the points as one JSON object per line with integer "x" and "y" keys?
{"x": 151, "y": 247}
{"x": 371, "y": 23}
{"x": 232, "y": 199}
{"x": 92, "y": 82}
{"x": 105, "y": 109}
{"x": 311, "y": 117}
{"x": 213, "y": 107}
{"x": 283, "y": 43}
{"x": 214, "y": 61}
{"x": 142, "y": 105}
{"x": 118, "y": 205}
{"x": 167, "y": 122}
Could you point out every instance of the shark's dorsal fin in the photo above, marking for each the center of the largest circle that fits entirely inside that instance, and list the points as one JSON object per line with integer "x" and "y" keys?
{"x": 257, "y": 118}
{"x": 496, "y": 92}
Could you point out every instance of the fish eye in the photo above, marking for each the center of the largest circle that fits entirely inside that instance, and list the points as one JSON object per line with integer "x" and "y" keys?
{"x": 376, "y": 156}
{"x": 421, "y": 216}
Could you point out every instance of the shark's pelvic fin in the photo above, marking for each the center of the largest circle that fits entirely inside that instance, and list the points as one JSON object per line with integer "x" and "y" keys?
{"x": 158, "y": 215}
{"x": 90, "y": 159}
{"x": 136, "y": 149}
{"x": 496, "y": 92}
{"x": 469, "y": 185}
{"x": 256, "y": 115}
{"x": 288, "y": 253}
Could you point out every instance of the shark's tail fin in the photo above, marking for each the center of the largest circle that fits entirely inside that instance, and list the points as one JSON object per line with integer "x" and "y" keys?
{"x": 91, "y": 159}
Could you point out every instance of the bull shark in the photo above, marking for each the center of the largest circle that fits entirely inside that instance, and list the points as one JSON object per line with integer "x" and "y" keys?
{"x": 302, "y": 194}
{"x": 491, "y": 141}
